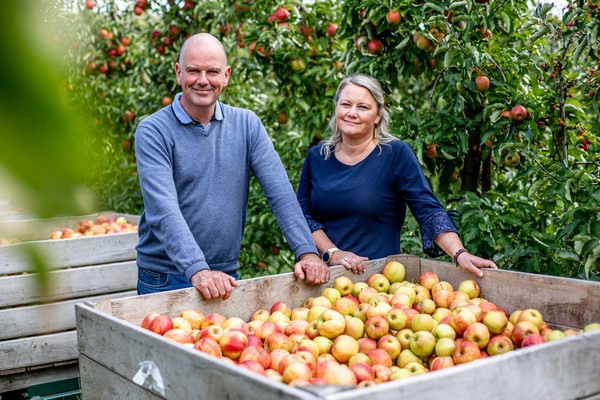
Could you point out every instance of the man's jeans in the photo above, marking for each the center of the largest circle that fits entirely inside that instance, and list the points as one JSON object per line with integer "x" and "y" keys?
{"x": 156, "y": 282}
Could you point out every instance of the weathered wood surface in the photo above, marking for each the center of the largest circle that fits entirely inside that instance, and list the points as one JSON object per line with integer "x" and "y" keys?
{"x": 38, "y": 350}
{"x": 187, "y": 373}
{"x": 26, "y": 378}
{"x": 45, "y": 318}
{"x": 109, "y": 334}
{"x": 68, "y": 283}
{"x": 62, "y": 253}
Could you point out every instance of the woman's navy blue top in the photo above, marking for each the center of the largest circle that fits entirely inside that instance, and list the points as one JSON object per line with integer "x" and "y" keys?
{"x": 362, "y": 207}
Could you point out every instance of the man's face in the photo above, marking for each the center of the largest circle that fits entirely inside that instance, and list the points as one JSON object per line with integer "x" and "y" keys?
{"x": 202, "y": 74}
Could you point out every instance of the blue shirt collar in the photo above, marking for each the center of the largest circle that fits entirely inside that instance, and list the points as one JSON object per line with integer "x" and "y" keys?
{"x": 185, "y": 119}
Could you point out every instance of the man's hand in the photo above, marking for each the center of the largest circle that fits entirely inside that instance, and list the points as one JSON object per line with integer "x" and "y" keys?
{"x": 213, "y": 284}
{"x": 311, "y": 269}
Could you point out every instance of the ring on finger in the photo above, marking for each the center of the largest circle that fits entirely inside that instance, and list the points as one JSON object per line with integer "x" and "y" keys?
{"x": 346, "y": 259}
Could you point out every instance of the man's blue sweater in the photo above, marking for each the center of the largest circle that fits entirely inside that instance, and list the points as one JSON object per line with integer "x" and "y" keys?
{"x": 195, "y": 185}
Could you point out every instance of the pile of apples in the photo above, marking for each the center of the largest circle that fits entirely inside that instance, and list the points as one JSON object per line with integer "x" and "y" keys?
{"x": 102, "y": 226}
{"x": 363, "y": 333}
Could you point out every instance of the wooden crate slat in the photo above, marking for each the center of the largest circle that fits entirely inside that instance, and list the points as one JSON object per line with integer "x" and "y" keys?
{"x": 26, "y": 379}
{"x": 120, "y": 347}
{"x": 53, "y": 317}
{"x": 69, "y": 283}
{"x": 38, "y": 350}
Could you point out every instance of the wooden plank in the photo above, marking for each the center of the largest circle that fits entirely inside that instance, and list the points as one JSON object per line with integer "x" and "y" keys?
{"x": 28, "y": 378}
{"x": 69, "y": 283}
{"x": 563, "y": 302}
{"x": 565, "y": 369}
{"x": 187, "y": 373}
{"x": 99, "y": 383}
{"x": 54, "y": 317}
{"x": 38, "y": 350}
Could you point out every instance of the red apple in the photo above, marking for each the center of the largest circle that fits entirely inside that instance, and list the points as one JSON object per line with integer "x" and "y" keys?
{"x": 209, "y": 346}
{"x": 374, "y": 46}
{"x": 363, "y": 372}
{"x": 233, "y": 343}
{"x": 441, "y": 363}
{"x": 393, "y": 17}
{"x": 465, "y": 352}
{"x": 179, "y": 336}
{"x": 380, "y": 357}
{"x": 518, "y": 113}
{"x": 161, "y": 324}
{"x": 376, "y": 327}
{"x": 477, "y": 333}
{"x": 428, "y": 279}
{"x": 522, "y": 330}
{"x": 532, "y": 339}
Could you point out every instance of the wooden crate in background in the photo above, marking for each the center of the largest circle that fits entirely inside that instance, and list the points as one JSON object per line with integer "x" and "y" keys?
{"x": 112, "y": 344}
{"x": 38, "y": 342}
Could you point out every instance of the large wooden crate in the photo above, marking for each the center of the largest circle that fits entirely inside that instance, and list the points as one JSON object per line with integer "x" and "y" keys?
{"x": 112, "y": 344}
{"x": 38, "y": 342}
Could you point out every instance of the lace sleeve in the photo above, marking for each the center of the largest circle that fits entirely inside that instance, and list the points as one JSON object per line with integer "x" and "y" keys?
{"x": 434, "y": 225}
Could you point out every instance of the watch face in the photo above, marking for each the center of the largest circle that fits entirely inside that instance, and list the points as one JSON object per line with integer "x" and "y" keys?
{"x": 326, "y": 257}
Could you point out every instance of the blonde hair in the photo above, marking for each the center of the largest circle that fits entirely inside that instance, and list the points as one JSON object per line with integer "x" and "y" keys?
{"x": 381, "y": 133}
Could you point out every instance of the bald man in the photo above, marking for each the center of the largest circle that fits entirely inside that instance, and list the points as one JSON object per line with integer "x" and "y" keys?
{"x": 195, "y": 158}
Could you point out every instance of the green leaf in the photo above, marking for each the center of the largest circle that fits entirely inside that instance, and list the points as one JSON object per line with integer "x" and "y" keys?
{"x": 539, "y": 33}
{"x": 434, "y": 7}
{"x": 578, "y": 50}
{"x": 457, "y": 4}
{"x": 536, "y": 186}
{"x": 449, "y": 58}
{"x": 403, "y": 43}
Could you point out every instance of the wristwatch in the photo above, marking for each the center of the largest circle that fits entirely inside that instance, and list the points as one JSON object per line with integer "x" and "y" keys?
{"x": 326, "y": 257}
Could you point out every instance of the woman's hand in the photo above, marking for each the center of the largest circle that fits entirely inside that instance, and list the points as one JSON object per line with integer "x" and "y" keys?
{"x": 349, "y": 260}
{"x": 473, "y": 264}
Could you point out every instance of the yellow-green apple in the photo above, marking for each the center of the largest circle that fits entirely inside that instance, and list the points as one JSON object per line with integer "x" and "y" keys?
{"x": 339, "y": 375}
{"x": 380, "y": 309}
{"x": 428, "y": 279}
{"x": 400, "y": 373}
{"x": 376, "y": 327}
{"x": 461, "y": 295}
{"x": 522, "y": 330}
{"x": 278, "y": 316}
{"x": 296, "y": 338}
{"x": 323, "y": 364}
{"x": 233, "y": 343}
{"x": 344, "y": 285}
{"x": 260, "y": 315}
{"x": 331, "y": 294}
{"x": 456, "y": 303}
{"x": 256, "y": 354}
{"x": 441, "y": 362}
{"x": 422, "y": 343}
{"x": 366, "y": 344}
{"x": 232, "y": 322}
{"x": 571, "y": 332}
{"x": 358, "y": 287}
{"x": 514, "y": 316}
{"x": 380, "y": 357}
{"x": 344, "y": 347}
{"x": 308, "y": 345}
{"x": 476, "y": 311}
{"x": 477, "y": 333}
{"x": 324, "y": 344}
{"x": 267, "y": 328}
{"x": 416, "y": 368}
{"x": 277, "y": 356}
{"x": 445, "y": 347}
{"x": 355, "y": 327}
{"x": 362, "y": 371}
{"x": 421, "y": 293}
{"x": 278, "y": 341}
{"x": 364, "y": 384}
{"x": 442, "y": 285}
{"x": 366, "y": 293}
{"x": 499, "y": 344}
{"x": 444, "y": 331}
{"x": 487, "y": 306}
{"x": 400, "y": 300}
{"x": 390, "y": 344}
{"x": 533, "y": 339}
{"x": 331, "y": 324}
{"x": 461, "y": 318}
{"x": 470, "y": 287}
{"x": 297, "y": 326}
{"x": 407, "y": 356}
{"x": 299, "y": 313}
{"x": 308, "y": 357}
{"x": 179, "y": 335}
{"x": 533, "y": 316}
{"x": 394, "y": 271}
{"x": 308, "y": 302}
{"x": 273, "y": 375}
{"x": 322, "y": 301}
{"x": 194, "y": 317}
{"x": 161, "y": 324}
{"x": 440, "y": 313}
{"x": 379, "y": 282}
{"x": 396, "y": 318}
{"x": 253, "y": 366}
{"x": 281, "y": 306}
{"x": 427, "y": 306}
{"x": 411, "y": 292}
{"x": 212, "y": 331}
{"x": 209, "y": 346}
{"x": 312, "y": 331}
{"x": 422, "y": 322}
{"x": 315, "y": 312}
{"x": 591, "y": 327}
{"x": 466, "y": 352}
{"x": 394, "y": 287}
{"x": 554, "y": 334}
{"x": 404, "y": 336}
{"x": 345, "y": 305}
{"x": 195, "y": 334}
{"x": 382, "y": 373}
{"x": 508, "y": 331}
{"x": 410, "y": 313}
{"x": 147, "y": 321}
{"x": 359, "y": 358}
{"x": 361, "y": 311}
{"x": 213, "y": 319}
{"x": 378, "y": 298}
{"x": 297, "y": 370}
{"x": 443, "y": 298}
{"x": 496, "y": 321}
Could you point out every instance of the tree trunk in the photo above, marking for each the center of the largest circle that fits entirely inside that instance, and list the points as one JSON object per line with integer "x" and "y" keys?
{"x": 471, "y": 170}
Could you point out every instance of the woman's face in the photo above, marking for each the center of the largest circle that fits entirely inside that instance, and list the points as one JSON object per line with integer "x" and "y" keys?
{"x": 356, "y": 112}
